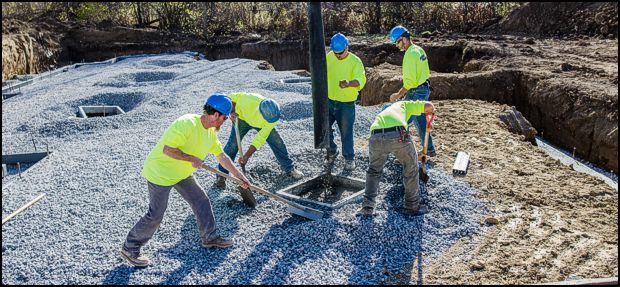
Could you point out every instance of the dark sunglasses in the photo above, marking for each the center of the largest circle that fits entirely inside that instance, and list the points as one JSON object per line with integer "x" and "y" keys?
{"x": 339, "y": 53}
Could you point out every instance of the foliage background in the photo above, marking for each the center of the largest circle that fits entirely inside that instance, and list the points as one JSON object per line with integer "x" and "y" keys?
{"x": 281, "y": 20}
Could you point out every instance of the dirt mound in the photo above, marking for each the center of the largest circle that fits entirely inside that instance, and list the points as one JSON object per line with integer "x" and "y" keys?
{"x": 561, "y": 19}
{"x": 29, "y": 49}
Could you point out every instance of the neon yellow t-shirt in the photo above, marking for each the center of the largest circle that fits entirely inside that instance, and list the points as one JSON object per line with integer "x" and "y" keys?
{"x": 397, "y": 114}
{"x": 187, "y": 134}
{"x": 349, "y": 68}
{"x": 247, "y": 107}
{"x": 415, "y": 67}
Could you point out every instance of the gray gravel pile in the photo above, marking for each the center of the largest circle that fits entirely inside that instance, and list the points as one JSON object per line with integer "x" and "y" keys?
{"x": 95, "y": 193}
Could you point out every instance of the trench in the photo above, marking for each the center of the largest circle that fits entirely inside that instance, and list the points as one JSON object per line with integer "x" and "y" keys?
{"x": 459, "y": 72}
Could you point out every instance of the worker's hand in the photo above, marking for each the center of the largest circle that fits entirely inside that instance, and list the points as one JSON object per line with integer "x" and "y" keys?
{"x": 196, "y": 162}
{"x": 233, "y": 116}
{"x": 422, "y": 157}
{"x": 394, "y": 97}
{"x": 344, "y": 84}
{"x": 243, "y": 160}
{"x": 245, "y": 184}
{"x": 429, "y": 108}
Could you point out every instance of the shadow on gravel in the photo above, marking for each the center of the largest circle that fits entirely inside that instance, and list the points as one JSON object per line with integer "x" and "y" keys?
{"x": 372, "y": 261}
{"x": 297, "y": 110}
{"x": 191, "y": 255}
{"x": 120, "y": 275}
{"x": 281, "y": 245}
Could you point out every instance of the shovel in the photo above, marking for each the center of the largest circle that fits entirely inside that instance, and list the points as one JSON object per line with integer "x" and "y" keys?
{"x": 294, "y": 208}
{"x": 423, "y": 174}
{"x": 246, "y": 194}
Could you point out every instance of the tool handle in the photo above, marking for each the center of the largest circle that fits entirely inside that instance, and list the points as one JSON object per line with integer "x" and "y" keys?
{"x": 252, "y": 187}
{"x": 238, "y": 136}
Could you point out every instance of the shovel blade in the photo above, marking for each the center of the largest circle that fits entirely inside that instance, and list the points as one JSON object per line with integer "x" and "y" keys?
{"x": 248, "y": 197}
{"x": 423, "y": 175}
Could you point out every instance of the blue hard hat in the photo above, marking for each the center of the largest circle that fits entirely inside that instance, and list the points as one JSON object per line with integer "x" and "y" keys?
{"x": 339, "y": 43}
{"x": 221, "y": 103}
{"x": 270, "y": 110}
{"x": 397, "y": 32}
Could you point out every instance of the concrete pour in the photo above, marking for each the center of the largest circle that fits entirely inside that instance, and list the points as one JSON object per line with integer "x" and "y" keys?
{"x": 95, "y": 192}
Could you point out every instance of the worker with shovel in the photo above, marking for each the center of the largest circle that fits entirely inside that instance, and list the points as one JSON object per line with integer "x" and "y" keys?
{"x": 180, "y": 151}
{"x": 253, "y": 111}
{"x": 416, "y": 85}
{"x": 345, "y": 78}
{"x": 389, "y": 135}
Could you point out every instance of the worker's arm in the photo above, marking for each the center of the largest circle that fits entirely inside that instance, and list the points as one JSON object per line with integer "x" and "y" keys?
{"x": 346, "y": 84}
{"x": 225, "y": 161}
{"x": 398, "y": 95}
{"x": 180, "y": 155}
{"x": 243, "y": 159}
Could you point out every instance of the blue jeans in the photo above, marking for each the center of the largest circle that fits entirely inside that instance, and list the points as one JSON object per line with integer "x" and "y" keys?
{"x": 420, "y": 93}
{"x": 343, "y": 113}
{"x": 274, "y": 141}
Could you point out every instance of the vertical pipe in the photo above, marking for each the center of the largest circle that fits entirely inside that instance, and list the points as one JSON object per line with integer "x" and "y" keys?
{"x": 318, "y": 71}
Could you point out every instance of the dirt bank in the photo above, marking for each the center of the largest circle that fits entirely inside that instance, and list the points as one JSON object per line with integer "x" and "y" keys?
{"x": 550, "y": 222}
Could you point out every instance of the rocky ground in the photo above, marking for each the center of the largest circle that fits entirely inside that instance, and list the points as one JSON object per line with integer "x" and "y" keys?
{"x": 549, "y": 222}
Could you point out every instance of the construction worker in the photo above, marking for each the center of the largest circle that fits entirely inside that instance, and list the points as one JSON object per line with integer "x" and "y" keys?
{"x": 416, "y": 85}
{"x": 178, "y": 154}
{"x": 262, "y": 114}
{"x": 345, "y": 78}
{"x": 389, "y": 135}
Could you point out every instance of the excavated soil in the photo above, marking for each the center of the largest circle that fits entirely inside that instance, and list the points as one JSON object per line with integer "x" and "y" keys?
{"x": 550, "y": 222}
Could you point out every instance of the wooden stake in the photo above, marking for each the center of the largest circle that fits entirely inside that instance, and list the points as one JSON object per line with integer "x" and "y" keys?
{"x": 23, "y": 208}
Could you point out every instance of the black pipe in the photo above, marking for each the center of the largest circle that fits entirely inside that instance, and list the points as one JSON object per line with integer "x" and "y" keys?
{"x": 318, "y": 71}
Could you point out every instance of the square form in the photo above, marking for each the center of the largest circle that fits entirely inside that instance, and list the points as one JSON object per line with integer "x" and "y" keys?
{"x": 327, "y": 190}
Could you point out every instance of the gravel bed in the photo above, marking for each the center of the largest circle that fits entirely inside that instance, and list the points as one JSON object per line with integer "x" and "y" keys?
{"x": 95, "y": 193}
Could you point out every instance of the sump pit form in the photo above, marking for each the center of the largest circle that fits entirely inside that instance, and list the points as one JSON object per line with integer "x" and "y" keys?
{"x": 19, "y": 163}
{"x": 328, "y": 190}
{"x": 99, "y": 111}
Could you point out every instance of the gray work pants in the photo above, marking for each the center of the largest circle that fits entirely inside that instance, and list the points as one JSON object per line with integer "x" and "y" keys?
{"x": 379, "y": 147}
{"x": 191, "y": 191}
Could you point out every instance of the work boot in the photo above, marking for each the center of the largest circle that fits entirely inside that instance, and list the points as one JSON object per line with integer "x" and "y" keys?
{"x": 422, "y": 209}
{"x": 220, "y": 242}
{"x": 220, "y": 182}
{"x": 349, "y": 165}
{"x": 295, "y": 174}
{"x": 134, "y": 258}
{"x": 330, "y": 158}
{"x": 365, "y": 211}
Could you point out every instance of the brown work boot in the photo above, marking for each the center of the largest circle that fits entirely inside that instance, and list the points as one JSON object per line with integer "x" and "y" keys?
{"x": 134, "y": 258}
{"x": 220, "y": 242}
{"x": 420, "y": 210}
{"x": 365, "y": 211}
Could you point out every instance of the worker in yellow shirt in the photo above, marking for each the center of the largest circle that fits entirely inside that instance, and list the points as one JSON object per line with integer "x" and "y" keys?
{"x": 261, "y": 114}
{"x": 416, "y": 85}
{"x": 389, "y": 135}
{"x": 178, "y": 154}
{"x": 345, "y": 78}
